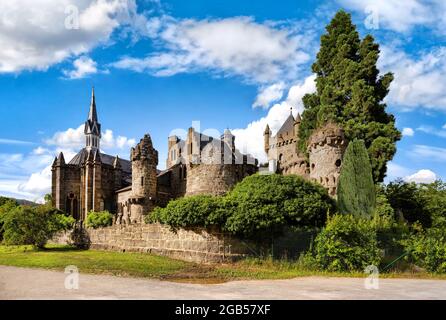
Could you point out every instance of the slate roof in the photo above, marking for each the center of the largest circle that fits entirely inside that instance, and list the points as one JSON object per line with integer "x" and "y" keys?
{"x": 288, "y": 125}
{"x": 81, "y": 157}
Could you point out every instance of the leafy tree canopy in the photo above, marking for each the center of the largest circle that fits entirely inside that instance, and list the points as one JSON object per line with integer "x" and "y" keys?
{"x": 350, "y": 92}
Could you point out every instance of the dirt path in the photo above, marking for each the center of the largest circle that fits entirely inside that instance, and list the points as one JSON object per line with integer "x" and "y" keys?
{"x": 22, "y": 283}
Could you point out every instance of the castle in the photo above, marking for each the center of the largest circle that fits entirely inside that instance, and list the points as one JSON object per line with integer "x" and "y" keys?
{"x": 325, "y": 148}
{"x": 94, "y": 181}
{"x": 200, "y": 164}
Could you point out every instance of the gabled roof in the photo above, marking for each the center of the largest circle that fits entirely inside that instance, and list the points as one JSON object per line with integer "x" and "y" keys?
{"x": 82, "y": 155}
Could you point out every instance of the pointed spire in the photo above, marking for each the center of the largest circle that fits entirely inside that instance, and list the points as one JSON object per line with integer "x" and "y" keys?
{"x": 60, "y": 159}
{"x": 93, "y": 115}
{"x": 267, "y": 130}
{"x": 117, "y": 163}
{"x": 54, "y": 162}
{"x": 298, "y": 118}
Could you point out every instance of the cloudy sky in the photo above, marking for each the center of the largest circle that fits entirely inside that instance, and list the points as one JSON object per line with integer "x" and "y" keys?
{"x": 159, "y": 65}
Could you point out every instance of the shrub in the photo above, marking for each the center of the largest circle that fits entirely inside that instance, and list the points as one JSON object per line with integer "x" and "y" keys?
{"x": 6, "y": 206}
{"x": 408, "y": 202}
{"x": 434, "y": 196}
{"x": 99, "y": 219}
{"x": 193, "y": 211}
{"x": 267, "y": 203}
{"x": 356, "y": 190}
{"x": 346, "y": 244}
{"x": 258, "y": 204}
{"x": 34, "y": 225}
{"x": 428, "y": 249}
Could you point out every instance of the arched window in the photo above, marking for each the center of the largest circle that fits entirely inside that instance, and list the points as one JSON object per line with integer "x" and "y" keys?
{"x": 142, "y": 181}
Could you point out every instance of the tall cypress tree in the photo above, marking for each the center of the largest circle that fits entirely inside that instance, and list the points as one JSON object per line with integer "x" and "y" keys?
{"x": 356, "y": 190}
{"x": 350, "y": 92}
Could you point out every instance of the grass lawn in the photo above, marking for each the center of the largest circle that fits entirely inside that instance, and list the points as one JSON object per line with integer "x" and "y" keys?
{"x": 152, "y": 266}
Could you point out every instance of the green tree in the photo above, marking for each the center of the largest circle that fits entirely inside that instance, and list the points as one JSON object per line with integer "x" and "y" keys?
{"x": 434, "y": 198}
{"x": 34, "y": 225}
{"x": 48, "y": 198}
{"x": 356, "y": 190}
{"x": 350, "y": 92}
{"x": 410, "y": 202}
{"x": 266, "y": 203}
{"x": 6, "y": 205}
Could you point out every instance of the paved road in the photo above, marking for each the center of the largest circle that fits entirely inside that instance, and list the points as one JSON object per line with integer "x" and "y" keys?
{"x": 22, "y": 283}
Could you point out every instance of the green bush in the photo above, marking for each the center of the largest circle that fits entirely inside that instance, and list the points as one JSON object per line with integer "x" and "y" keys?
{"x": 409, "y": 203}
{"x": 34, "y": 225}
{"x": 434, "y": 196}
{"x": 258, "y": 204}
{"x": 99, "y": 219}
{"x": 193, "y": 211}
{"x": 267, "y": 203}
{"x": 6, "y": 206}
{"x": 356, "y": 190}
{"x": 427, "y": 249}
{"x": 346, "y": 244}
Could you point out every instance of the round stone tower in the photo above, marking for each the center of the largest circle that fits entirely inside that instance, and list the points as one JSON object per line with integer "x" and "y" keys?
{"x": 326, "y": 148}
{"x": 144, "y": 179}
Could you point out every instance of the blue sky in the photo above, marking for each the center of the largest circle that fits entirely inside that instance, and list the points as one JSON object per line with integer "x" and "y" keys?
{"x": 159, "y": 65}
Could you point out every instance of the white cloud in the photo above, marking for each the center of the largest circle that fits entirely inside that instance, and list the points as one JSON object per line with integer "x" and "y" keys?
{"x": 34, "y": 33}
{"x": 419, "y": 82}
{"x": 74, "y": 139}
{"x": 38, "y": 184}
{"x": 108, "y": 141}
{"x": 432, "y": 130}
{"x": 395, "y": 171}
{"x": 68, "y": 139}
{"x": 408, "y": 132}
{"x": 422, "y": 176}
{"x": 397, "y": 15}
{"x": 432, "y": 153}
{"x": 12, "y": 141}
{"x": 248, "y": 140}
{"x": 83, "y": 67}
{"x": 29, "y": 175}
{"x": 269, "y": 94}
{"x": 261, "y": 53}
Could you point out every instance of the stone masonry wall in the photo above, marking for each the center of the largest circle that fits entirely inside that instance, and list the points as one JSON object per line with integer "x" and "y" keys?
{"x": 216, "y": 179}
{"x": 194, "y": 245}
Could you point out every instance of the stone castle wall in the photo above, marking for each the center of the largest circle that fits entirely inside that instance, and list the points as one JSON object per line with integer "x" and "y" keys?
{"x": 216, "y": 179}
{"x": 194, "y": 245}
{"x": 326, "y": 150}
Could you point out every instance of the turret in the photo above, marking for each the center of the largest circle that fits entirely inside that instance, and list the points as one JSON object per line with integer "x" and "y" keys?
{"x": 60, "y": 161}
{"x": 118, "y": 172}
{"x": 228, "y": 147}
{"x": 92, "y": 129}
{"x": 326, "y": 147}
{"x": 297, "y": 122}
{"x": 144, "y": 178}
{"x": 266, "y": 136}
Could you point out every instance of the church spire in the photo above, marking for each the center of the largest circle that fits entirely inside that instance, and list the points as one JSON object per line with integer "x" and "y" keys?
{"x": 92, "y": 129}
{"x": 93, "y": 115}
